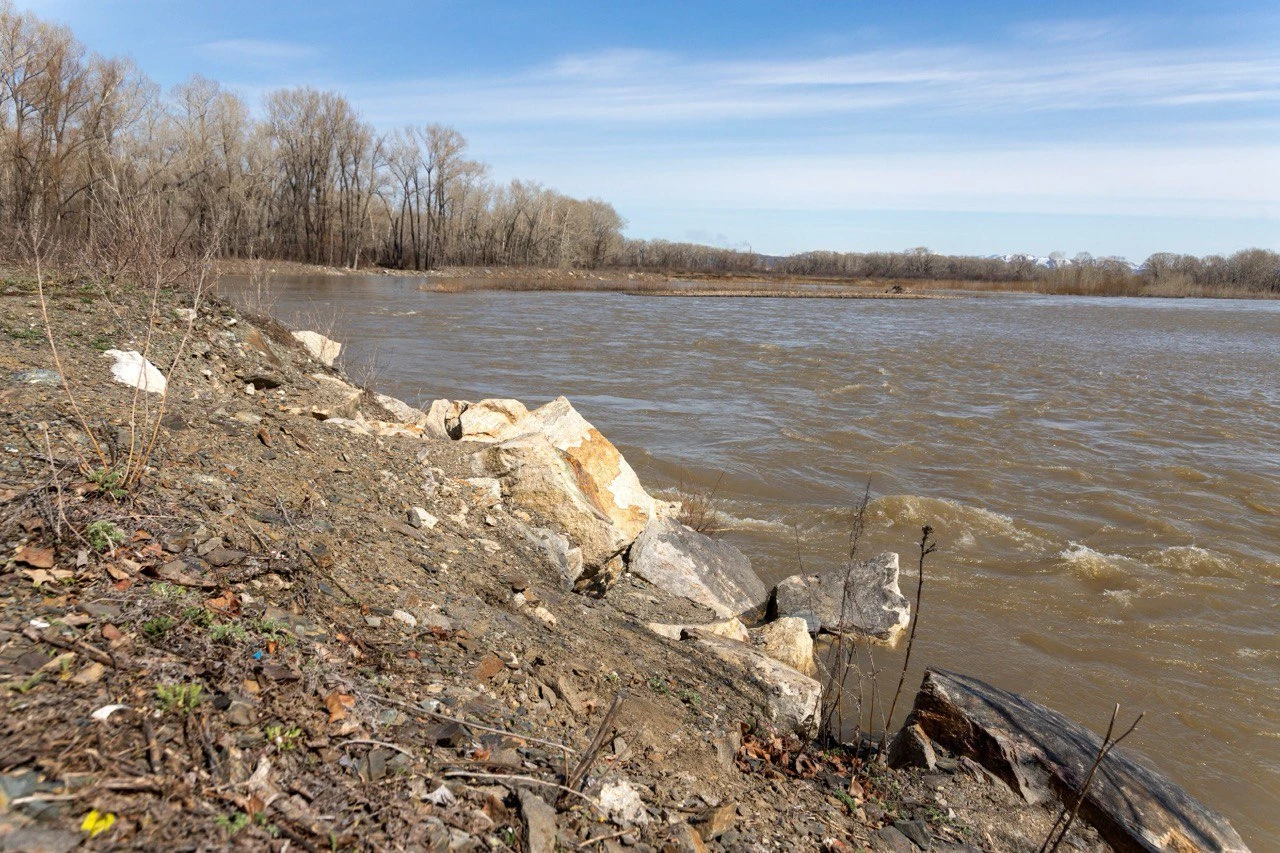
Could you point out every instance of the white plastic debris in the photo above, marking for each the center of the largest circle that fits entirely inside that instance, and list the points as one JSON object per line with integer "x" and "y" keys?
{"x": 132, "y": 369}
{"x": 38, "y": 623}
{"x": 622, "y": 803}
{"x": 107, "y": 710}
{"x": 441, "y": 796}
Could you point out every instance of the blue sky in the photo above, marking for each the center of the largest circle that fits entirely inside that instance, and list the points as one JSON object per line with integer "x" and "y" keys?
{"x": 975, "y": 127}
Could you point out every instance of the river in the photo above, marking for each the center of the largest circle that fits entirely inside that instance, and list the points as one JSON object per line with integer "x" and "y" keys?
{"x": 1103, "y": 475}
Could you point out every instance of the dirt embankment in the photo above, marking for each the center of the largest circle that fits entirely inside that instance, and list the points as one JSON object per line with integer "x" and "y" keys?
{"x": 252, "y": 648}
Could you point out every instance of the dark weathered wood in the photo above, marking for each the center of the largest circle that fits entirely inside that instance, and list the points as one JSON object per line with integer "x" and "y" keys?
{"x": 1040, "y": 754}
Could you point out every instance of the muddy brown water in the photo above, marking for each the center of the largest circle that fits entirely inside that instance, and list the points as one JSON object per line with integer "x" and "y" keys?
{"x": 1103, "y": 474}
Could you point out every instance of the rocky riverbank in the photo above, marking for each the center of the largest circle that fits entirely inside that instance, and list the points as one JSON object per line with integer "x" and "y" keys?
{"x": 325, "y": 619}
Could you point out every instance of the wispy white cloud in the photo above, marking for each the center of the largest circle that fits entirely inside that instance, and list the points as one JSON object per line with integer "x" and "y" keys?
{"x": 257, "y": 51}
{"x": 1067, "y": 31}
{"x": 636, "y": 87}
{"x": 1146, "y": 180}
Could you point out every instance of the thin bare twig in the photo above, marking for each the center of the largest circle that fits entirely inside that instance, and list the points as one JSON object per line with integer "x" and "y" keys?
{"x": 927, "y": 547}
{"x": 399, "y": 749}
{"x": 504, "y": 777}
{"x": 446, "y": 718}
{"x": 579, "y": 774}
{"x": 1065, "y": 820}
{"x": 37, "y": 252}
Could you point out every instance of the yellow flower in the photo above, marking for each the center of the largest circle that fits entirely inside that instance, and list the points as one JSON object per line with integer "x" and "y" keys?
{"x": 95, "y": 822}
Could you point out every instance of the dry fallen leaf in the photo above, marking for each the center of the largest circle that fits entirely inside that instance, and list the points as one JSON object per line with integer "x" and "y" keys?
{"x": 116, "y": 572}
{"x": 41, "y": 558}
{"x": 40, "y": 577}
{"x": 226, "y": 603}
{"x": 111, "y": 632}
{"x": 338, "y": 703}
{"x": 140, "y": 536}
{"x": 91, "y": 673}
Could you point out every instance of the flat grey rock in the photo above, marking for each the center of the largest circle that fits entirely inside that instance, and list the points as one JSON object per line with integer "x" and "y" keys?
{"x": 684, "y": 562}
{"x": 860, "y": 598}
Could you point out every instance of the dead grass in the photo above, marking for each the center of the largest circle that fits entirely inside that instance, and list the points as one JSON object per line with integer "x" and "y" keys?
{"x": 697, "y": 508}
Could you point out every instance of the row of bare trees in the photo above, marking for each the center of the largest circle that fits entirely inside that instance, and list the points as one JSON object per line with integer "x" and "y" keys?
{"x": 309, "y": 180}
{"x": 1249, "y": 270}
{"x": 84, "y": 136}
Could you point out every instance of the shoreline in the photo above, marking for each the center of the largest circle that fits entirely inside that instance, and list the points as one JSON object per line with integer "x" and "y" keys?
{"x": 731, "y": 285}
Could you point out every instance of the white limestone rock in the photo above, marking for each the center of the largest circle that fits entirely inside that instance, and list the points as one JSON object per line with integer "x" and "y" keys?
{"x": 322, "y": 349}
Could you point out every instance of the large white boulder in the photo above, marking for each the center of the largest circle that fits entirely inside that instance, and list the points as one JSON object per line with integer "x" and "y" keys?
{"x": 861, "y": 598}
{"x": 322, "y": 349}
{"x": 787, "y": 641}
{"x": 535, "y": 475}
{"x": 494, "y": 420}
{"x": 730, "y": 629}
{"x": 792, "y": 701}
{"x": 401, "y": 411}
{"x": 130, "y": 368}
{"x": 443, "y": 419}
{"x": 684, "y": 562}
{"x": 611, "y": 480}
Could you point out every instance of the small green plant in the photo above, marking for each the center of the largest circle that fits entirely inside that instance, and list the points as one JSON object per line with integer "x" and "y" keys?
{"x": 260, "y": 820}
{"x": 156, "y": 628}
{"x": 232, "y": 823}
{"x": 167, "y": 590}
{"x": 659, "y": 685}
{"x": 849, "y": 802}
{"x": 285, "y": 739}
{"x": 27, "y": 334}
{"x": 223, "y": 631}
{"x": 103, "y": 535}
{"x": 692, "y": 698}
{"x": 27, "y": 686}
{"x": 109, "y": 481}
{"x": 101, "y": 343}
{"x": 276, "y": 631}
{"x": 182, "y": 698}
{"x": 198, "y": 616}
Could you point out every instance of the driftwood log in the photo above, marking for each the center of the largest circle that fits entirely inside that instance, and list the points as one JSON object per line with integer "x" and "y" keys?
{"x": 1041, "y": 754}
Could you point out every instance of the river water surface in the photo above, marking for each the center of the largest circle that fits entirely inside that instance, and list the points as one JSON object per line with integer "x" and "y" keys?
{"x": 1103, "y": 474}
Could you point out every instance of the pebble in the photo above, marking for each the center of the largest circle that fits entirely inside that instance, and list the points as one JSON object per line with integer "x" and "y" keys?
{"x": 405, "y": 617}
{"x": 420, "y": 518}
{"x": 916, "y": 831}
{"x": 373, "y": 621}
{"x": 240, "y": 713}
{"x": 38, "y": 377}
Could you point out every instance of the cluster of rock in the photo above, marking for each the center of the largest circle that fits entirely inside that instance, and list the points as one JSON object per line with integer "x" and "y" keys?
{"x": 595, "y": 520}
{"x": 599, "y": 521}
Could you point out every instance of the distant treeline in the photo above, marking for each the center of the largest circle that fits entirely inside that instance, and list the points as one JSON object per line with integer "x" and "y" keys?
{"x": 1164, "y": 273}
{"x": 92, "y": 153}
